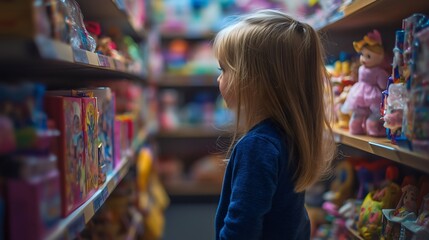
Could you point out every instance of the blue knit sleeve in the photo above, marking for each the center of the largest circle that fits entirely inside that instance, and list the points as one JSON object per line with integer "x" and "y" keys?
{"x": 254, "y": 182}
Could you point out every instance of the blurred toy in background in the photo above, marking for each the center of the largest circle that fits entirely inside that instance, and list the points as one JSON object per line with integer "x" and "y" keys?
{"x": 107, "y": 47}
{"x": 94, "y": 29}
{"x": 416, "y": 60}
{"x": 419, "y": 229}
{"x": 68, "y": 25}
{"x": 176, "y": 57}
{"x": 395, "y": 96}
{"x": 201, "y": 59}
{"x": 369, "y": 223}
{"x": 342, "y": 185}
{"x": 364, "y": 98}
{"x": 342, "y": 119}
{"x": 406, "y": 210}
{"x": 418, "y": 111}
{"x": 169, "y": 114}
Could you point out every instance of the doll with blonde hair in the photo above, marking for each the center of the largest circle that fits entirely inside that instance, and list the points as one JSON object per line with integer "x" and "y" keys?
{"x": 273, "y": 78}
{"x": 364, "y": 98}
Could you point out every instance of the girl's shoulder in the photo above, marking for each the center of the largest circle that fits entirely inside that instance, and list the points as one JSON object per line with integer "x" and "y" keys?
{"x": 265, "y": 134}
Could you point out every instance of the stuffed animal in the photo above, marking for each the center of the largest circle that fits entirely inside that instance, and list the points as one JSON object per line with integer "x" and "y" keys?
{"x": 364, "y": 99}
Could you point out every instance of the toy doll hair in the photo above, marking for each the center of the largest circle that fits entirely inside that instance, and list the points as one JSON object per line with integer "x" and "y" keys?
{"x": 277, "y": 71}
{"x": 372, "y": 41}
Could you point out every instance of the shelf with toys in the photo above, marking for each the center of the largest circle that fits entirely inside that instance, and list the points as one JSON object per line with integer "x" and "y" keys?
{"x": 116, "y": 13}
{"x": 69, "y": 227}
{"x": 44, "y": 57}
{"x": 171, "y": 80}
{"x": 55, "y": 40}
{"x": 361, "y": 13}
{"x": 380, "y": 97}
{"x": 191, "y": 132}
{"x": 64, "y": 75}
{"x": 383, "y": 147}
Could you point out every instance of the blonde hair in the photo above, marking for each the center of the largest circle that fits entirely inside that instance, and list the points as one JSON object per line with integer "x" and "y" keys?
{"x": 277, "y": 71}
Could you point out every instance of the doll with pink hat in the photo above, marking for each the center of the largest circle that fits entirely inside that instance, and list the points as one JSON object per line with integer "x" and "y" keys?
{"x": 364, "y": 98}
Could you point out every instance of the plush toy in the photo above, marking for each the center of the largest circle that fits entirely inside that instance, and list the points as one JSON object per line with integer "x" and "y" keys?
{"x": 369, "y": 223}
{"x": 342, "y": 185}
{"x": 364, "y": 99}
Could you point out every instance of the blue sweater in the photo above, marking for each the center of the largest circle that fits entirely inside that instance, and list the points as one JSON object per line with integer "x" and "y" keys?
{"x": 258, "y": 199}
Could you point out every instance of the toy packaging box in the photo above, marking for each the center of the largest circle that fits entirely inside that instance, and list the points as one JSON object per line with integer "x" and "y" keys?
{"x": 67, "y": 115}
{"x": 106, "y": 113}
{"x": 90, "y": 124}
{"x": 34, "y": 202}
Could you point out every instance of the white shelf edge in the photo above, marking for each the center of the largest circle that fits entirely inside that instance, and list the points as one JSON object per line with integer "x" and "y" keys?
{"x": 81, "y": 216}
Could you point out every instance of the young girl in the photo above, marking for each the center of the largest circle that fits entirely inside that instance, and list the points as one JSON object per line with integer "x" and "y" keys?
{"x": 273, "y": 78}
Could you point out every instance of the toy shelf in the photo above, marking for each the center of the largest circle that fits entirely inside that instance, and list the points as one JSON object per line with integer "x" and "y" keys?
{"x": 191, "y": 132}
{"x": 205, "y": 35}
{"x": 375, "y": 13}
{"x": 113, "y": 14}
{"x": 70, "y": 226}
{"x": 383, "y": 148}
{"x": 353, "y": 234}
{"x": 192, "y": 188}
{"x": 172, "y": 80}
{"x": 44, "y": 57}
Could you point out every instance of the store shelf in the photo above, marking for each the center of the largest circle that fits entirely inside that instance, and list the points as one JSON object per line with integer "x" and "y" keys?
{"x": 75, "y": 222}
{"x": 374, "y": 13}
{"x": 383, "y": 148}
{"x": 43, "y": 57}
{"x": 170, "y": 80}
{"x": 353, "y": 234}
{"x": 113, "y": 14}
{"x": 192, "y": 188}
{"x": 187, "y": 35}
{"x": 191, "y": 132}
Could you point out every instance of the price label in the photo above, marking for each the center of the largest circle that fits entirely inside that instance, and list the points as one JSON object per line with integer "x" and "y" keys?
{"x": 76, "y": 227}
{"x": 46, "y": 47}
{"x": 100, "y": 199}
{"x": 119, "y": 65}
{"x": 104, "y": 61}
{"x": 80, "y": 56}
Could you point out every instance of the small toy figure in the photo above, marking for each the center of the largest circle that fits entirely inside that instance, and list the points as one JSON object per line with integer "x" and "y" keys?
{"x": 364, "y": 98}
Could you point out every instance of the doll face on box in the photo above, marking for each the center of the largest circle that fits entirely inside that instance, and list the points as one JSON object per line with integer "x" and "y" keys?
{"x": 410, "y": 199}
{"x": 370, "y": 59}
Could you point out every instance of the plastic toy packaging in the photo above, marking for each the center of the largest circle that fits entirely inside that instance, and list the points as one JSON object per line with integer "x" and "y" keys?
{"x": 418, "y": 108}
{"x": 405, "y": 210}
{"x": 419, "y": 229}
{"x": 68, "y": 25}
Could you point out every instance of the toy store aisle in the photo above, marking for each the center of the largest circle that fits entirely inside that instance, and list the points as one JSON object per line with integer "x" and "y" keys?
{"x": 190, "y": 221}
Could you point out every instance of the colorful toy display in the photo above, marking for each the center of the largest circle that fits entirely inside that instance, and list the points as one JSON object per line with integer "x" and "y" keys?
{"x": 67, "y": 114}
{"x": 33, "y": 197}
{"x": 364, "y": 99}
{"x": 89, "y": 112}
{"x": 369, "y": 223}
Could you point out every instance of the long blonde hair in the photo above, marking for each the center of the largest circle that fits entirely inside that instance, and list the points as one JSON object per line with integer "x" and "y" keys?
{"x": 277, "y": 71}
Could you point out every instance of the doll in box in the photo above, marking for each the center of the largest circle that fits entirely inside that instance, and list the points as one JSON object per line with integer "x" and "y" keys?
{"x": 405, "y": 210}
{"x": 419, "y": 229}
{"x": 364, "y": 99}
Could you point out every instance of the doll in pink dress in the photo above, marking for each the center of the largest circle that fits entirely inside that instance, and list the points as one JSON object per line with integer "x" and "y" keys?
{"x": 364, "y": 98}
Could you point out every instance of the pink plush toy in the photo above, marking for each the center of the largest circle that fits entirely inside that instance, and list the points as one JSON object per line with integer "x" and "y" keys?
{"x": 364, "y": 99}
